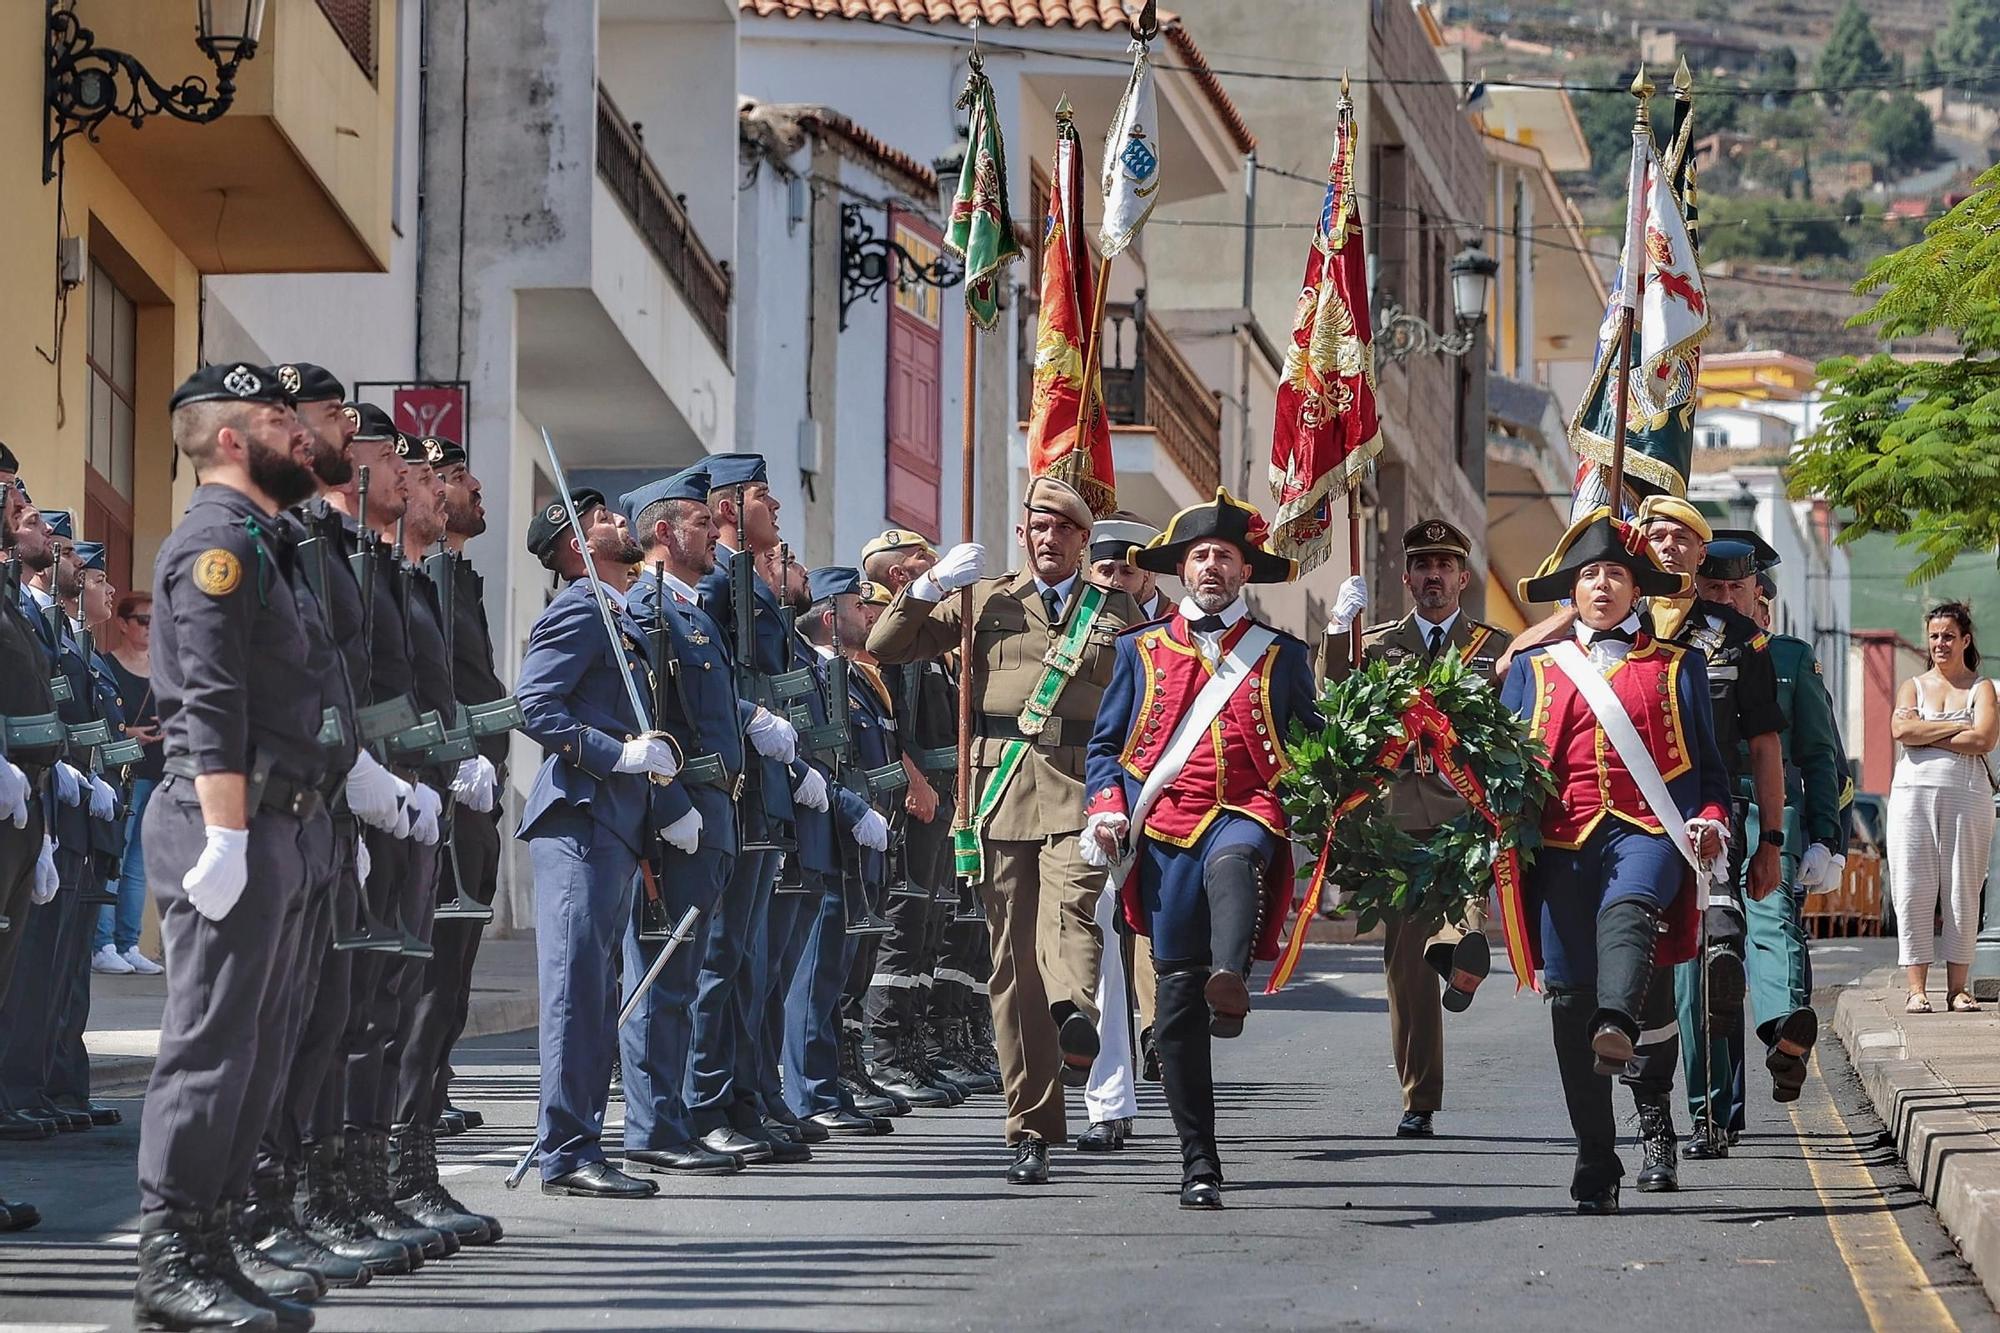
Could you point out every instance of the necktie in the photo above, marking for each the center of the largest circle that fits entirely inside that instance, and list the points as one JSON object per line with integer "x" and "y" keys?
{"x": 1437, "y": 640}
{"x": 1053, "y": 600}
{"x": 1207, "y": 625}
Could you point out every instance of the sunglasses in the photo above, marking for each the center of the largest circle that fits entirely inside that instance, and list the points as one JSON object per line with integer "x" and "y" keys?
{"x": 140, "y": 620}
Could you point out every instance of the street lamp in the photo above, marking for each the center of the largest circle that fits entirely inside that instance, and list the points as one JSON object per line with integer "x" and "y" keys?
{"x": 949, "y": 166}
{"x": 1398, "y": 333}
{"x": 85, "y": 84}
{"x": 1743, "y": 507}
{"x": 1472, "y": 271}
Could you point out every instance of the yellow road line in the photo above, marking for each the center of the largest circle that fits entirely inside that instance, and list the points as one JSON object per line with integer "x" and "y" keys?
{"x": 1894, "y": 1289}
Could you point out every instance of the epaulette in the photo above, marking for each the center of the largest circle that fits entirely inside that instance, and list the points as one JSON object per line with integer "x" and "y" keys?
{"x": 1382, "y": 628}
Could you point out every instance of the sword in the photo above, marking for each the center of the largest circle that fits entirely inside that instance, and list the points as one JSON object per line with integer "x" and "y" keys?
{"x": 683, "y": 932}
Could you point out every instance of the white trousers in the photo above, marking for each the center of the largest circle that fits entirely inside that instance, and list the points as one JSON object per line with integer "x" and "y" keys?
{"x": 1939, "y": 841}
{"x": 1110, "y": 1094}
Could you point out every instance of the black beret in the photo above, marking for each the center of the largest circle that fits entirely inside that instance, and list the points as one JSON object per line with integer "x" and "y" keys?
{"x": 370, "y": 422}
{"x": 231, "y": 382}
{"x": 8, "y": 463}
{"x": 550, "y": 522}
{"x": 432, "y": 449}
{"x": 308, "y": 383}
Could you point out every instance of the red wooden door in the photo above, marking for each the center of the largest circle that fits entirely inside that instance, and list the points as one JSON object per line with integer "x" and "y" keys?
{"x": 916, "y": 362}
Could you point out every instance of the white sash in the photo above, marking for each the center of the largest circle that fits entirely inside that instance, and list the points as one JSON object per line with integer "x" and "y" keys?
{"x": 1237, "y": 666}
{"x": 1624, "y": 737}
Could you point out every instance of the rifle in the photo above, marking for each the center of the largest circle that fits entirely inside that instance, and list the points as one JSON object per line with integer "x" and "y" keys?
{"x": 861, "y": 916}
{"x": 666, "y": 670}
{"x": 442, "y": 569}
{"x": 751, "y": 683}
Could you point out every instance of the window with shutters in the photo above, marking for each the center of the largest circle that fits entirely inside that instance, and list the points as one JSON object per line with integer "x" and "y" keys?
{"x": 914, "y": 417}
{"x": 109, "y": 436}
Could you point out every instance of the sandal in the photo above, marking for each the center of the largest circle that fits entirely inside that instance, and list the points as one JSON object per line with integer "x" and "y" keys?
{"x": 1918, "y": 1003}
{"x": 1963, "y": 1003}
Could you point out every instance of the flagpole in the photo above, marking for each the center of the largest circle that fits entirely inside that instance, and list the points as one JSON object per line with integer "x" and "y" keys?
{"x": 965, "y": 617}
{"x": 1093, "y": 351}
{"x": 1354, "y": 561}
{"x": 1635, "y": 279}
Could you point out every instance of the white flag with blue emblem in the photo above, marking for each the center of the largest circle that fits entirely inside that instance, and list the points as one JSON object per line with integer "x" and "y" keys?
{"x": 1131, "y": 160}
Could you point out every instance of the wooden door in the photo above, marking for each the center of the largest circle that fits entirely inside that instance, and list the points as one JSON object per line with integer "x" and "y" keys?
{"x": 915, "y": 422}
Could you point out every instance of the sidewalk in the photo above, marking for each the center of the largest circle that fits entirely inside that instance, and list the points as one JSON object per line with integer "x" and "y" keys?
{"x": 124, "y": 1033}
{"x": 1935, "y": 1081}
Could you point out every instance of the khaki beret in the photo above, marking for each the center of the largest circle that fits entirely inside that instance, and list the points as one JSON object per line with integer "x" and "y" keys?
{"x": 1046, "y": 495}
{"x": 1674, "y": 509}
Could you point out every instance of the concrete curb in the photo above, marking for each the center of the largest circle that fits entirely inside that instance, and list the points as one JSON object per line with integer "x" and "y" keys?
{"x": 1948, "y": 1148}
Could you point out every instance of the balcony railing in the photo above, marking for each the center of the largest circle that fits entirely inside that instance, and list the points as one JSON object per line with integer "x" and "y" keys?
{"x": 1148, "y": 383}
{"x": 661, "y": 221}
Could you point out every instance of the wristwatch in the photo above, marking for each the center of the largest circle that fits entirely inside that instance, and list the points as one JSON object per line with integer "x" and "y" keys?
{"x": 1770, "y": 837}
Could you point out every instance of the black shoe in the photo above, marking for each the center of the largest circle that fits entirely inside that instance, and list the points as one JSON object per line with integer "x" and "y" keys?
{"x": 905, "y": 1083}
{"x": 849, "y": 1122}
{"x": 1799, "y": 1030}
{"x": 1471, "y": 961}
{"x": 58, "y": 1122}
{"x": 419, "y": 1193}
{"x": 18, "y": 1216}
{"x": 1704, "y": 1145}
{"x": 1149, "y": 1056}
{"x": 1077, "y": 1036}
{"x": 450, "y": 1123}
{"x": 368, "y": 1183}
{"x": 1415, "y": 1125}
{"x": 736, "y": 1143}
{"x": 328, "y": 1218}
{"x": 274, "y": 1230}
{"x": 600, "y": 1180}
{"x": 1612, "y": 1045}
{"x": 684, "y": 1159}
{"x": 776, "y": 1131}
{"x": 177, "y": 1290}
{"x": 1031, "y": 1163}
{"x": 472, "y": 1119}
{"x": 803, "y": 1130}
{"x": 1202, "y": 1192}
{"x": 20, "y": 1127}
{"x": 1104, "y": 1136}
{"x": 1228, "y": 1003}
{"x": 100, "y": 1114}
{"x": 1726, "y": 986}
{"x": 874, "y": 1107}
{"x": 1603, "y": 1203}
{"x": 1659, "y": 1171}
{"x": 263, "y": 1271}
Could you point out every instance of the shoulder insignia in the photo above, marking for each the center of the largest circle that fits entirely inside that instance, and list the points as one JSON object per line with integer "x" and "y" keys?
{"x": 217, "y": 571}
{"x": 1816, "y": 670}
{"x": 1382, "y": 628}
{"x": 1760, "y": 641}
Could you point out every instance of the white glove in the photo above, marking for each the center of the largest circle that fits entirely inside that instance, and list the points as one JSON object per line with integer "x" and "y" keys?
{"x": 1836, "y": 871}
{"x": 872, "y": 832}
{"x": 1718, "y": 869}
{"x": 219, "y": 873}
{"x": 103, "y": 799}
{"x": 1087, "y": 844}
{"x": 69, "y": 784}
{"x": 773, "y": 737}
{"x": 960, "y": 567}
{"x": 362, "y": 865}
{"x": 46, "y": 881}
{"x": 1349, "y": 603}
{"x": 13, "y": 794}
{"x": 375, "y": 795}
{"x": 474, "y": 783}
{"x": 811, "y": 791}
{"x": 684, "y": 834}
{"x": 1814, "y": 865}
{"x": 648, "y": 754}
{"x": 425, "y": 806}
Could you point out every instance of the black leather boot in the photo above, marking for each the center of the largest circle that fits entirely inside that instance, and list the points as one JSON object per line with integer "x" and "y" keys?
{"x": 176, "y": 1287}
{"x": 1626, "y": 934}
{"x": 895, "y": 1071}
{"x": 328, "y": 1216}
{"x": 274, "y": 1229}
{"x": 260, "y": 1269}
{"x": 1187, "y": 1072}
{"x": 1594, "y": 1184}
{"x": 1659, "y": 1172}
{"x": 222, "y": 1263}
{"x": 368, "y": 1180}
{"x": 421, "y": 1195}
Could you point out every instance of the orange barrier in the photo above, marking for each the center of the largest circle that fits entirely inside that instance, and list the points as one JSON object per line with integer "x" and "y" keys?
{"x": 1855, "y": 908}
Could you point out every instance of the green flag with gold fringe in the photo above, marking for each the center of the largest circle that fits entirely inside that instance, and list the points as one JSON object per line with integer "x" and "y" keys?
{"x": 981, "y": 229}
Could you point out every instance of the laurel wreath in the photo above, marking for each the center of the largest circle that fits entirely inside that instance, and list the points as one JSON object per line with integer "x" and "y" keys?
{"x": 1339, "y": 785}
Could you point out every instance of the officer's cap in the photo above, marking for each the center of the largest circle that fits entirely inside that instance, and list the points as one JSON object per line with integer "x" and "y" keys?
{"x": 546, "y": 528}
{"x": 231, "y": 382}
{"x": 1113, "y": 538}
{"x": 894, "y": 539}
{"x": 687, "y": 484}
{"x": 1767, "y": 554}
{"x": 727, "y": 470}
{"x": 1728, "y": 558}
{"x": 833, "y": 581}
{"x": 59, "y": 522}
{"x": 370, "y": 422}
{"x": 1677, "y": 510}
{"x": 308, "y": 383}
{"x": 90, "y": 555}
{"x": 1046, "y": 495}
{"x": 1434, "y": 536}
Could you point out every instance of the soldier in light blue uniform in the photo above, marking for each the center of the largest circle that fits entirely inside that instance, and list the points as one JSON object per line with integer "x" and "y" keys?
{"x": 591, "y": 814}
{"x": 697, "y": 676}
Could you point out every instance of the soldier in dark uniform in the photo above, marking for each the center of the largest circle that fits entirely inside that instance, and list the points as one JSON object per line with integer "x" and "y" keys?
{"x": 1416, "y": 955}
{"x": 231, "y": 838}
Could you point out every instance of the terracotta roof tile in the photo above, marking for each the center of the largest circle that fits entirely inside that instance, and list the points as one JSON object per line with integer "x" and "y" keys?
{"x": 1081, "y": 15}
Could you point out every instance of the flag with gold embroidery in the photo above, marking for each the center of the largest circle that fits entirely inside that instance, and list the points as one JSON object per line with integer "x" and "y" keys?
{"x": 980, "y": 230}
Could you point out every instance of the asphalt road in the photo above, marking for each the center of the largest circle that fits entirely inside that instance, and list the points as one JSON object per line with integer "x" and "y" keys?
{"x": 1331, "y": 1222}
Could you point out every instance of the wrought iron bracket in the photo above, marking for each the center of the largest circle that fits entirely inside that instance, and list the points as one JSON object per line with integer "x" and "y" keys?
{"x": 86, "y": 84}
{"x": 1398, "y": 333}
{"x": 868, "y": 263}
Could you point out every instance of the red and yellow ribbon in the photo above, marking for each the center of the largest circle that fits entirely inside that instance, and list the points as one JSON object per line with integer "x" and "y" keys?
{"x": 1428, "y": 729}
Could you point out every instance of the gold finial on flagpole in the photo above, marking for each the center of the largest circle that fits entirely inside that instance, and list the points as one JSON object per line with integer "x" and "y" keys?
{"x": 1642, "y": 93}
{"x": 1684, "y": 82}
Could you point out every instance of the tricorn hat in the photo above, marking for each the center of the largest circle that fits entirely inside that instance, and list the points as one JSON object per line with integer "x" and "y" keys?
{"x": 1225, "y": 518}
{"x": 1599, "y": 537}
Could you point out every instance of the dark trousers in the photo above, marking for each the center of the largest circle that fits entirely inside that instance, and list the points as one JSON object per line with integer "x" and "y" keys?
{"x": 280, "y": 1141}
{"x": 457, "y": 942}
{"x": 584, "y": 878}
{"x": 222, "y": 1033}
{"x": 811, "y": 1055}
{"x": 788, "y": 931}
{"x": 720, "y": 1009}
{"x": 373, "y": 1014}
{"x": 67, "y": 1082}
{"x": 901, "y": 980}
{"x": 18, "y": 850}
{"x": 440, "y": 987}
{"x": 654, "y": 1046}
{"x": 1586, "y": 1092}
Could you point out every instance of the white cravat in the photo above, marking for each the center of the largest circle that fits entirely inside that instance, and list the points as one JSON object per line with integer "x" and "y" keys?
{"x": 1210, "y": 641}
{"x": 1607, "y": 653}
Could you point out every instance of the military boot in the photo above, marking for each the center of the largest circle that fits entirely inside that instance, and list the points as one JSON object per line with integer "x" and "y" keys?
{"x": 423, "y": 1196}
{"x": 896, "y": 1071}
{"x": 1659, "y": 1171}
{"x": 329, "y": 1220}
{"x": 177, "y": 1288}
{"x": 368, "y": 1179}
{"x": 260, "y": 1269}
{"x": 274, "y": 1229}
{"x": 868, "y": 1099}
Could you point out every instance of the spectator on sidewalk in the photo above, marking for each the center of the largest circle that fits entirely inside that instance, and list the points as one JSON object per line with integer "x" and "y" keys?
{"x": 1941, "y": 805}
{"x": 116, "y": 946}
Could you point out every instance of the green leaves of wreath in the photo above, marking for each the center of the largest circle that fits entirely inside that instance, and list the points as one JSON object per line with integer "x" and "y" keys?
{"x": 1384, "y": 868}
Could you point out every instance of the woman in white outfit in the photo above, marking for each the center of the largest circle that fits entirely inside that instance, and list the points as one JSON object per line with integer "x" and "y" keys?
{"x": 1941, "y": 805}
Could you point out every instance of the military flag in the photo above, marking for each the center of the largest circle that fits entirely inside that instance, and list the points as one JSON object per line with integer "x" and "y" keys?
{"x": 1131, "y": 158}
{"x": 1327, "y": 427}
{"x": 1060, "y": 443}
{"x": 980, "y": 230}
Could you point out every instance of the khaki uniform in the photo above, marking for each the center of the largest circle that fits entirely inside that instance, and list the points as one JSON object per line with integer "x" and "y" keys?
{"x": 1413, "y": 962}
{"x": 1039, "y": 895}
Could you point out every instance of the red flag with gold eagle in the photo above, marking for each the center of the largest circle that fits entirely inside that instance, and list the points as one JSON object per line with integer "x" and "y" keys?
{"x": 1057, "y": 444}
{"x": 1327, "y": 425}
